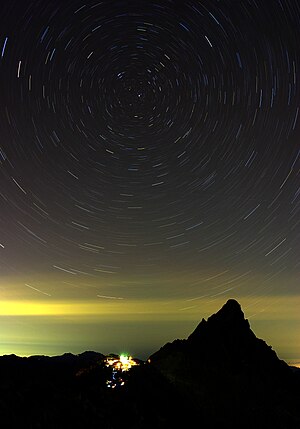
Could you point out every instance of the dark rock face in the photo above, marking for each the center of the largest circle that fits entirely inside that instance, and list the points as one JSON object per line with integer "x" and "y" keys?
{"x": 233, "y": 376}
{"x": 225, "y": 340}
{"x": 229, "y": 321}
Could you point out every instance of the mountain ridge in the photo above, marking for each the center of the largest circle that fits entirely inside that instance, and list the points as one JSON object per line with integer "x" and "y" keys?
{"x": 224, "y": 339}
{"x": 222, "y": 375}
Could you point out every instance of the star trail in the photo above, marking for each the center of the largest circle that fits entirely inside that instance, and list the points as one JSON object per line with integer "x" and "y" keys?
{"x": 149, "y": 162}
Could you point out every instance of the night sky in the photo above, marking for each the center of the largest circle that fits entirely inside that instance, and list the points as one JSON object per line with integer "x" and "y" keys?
{"x": 149, "y": 171}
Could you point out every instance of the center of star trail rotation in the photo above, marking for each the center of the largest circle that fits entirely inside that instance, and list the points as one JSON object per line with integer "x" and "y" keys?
{"x": 153, "y": 140}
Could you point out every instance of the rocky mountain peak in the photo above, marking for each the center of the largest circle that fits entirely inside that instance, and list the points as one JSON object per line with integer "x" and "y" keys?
{"x": 229, "y": 320}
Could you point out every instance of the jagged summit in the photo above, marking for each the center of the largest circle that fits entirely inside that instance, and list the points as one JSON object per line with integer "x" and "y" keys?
{"x": 228, "y": 321}
{"x": 231, "y": 313}
{"x": 224, "y": 363}
{"x": 225, "y": 341}
{"x": 231, "y": 309}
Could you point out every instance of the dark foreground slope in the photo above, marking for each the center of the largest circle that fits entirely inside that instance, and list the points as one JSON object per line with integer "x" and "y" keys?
{"x": 221, "y": 376}
{"x": 71, "y": 392}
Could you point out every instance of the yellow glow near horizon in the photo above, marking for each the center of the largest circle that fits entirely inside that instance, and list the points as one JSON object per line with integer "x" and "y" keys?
{"x": 258, "y": 308}
{"x": 53, "y": 327}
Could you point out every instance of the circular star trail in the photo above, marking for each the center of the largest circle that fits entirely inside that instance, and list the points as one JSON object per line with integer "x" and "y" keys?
{"x": 155, "y": 139}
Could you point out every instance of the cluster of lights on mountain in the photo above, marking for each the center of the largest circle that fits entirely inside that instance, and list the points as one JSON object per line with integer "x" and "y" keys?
{"x": 119, "y": 365}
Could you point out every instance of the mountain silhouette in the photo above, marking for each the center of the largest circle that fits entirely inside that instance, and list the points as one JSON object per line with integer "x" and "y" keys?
{"x": 222, "y": 375}
{"x": 235, "y": 377}
{"x": 225, "y": 340}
